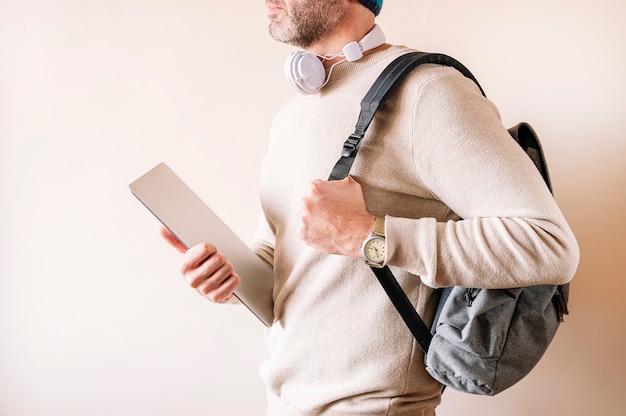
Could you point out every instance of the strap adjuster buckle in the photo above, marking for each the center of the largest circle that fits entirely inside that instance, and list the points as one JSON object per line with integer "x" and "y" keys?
{"x": 351, "y": 146}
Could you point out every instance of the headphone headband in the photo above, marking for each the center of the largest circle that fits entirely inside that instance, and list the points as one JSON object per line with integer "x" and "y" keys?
{"x": 353, "y": 51}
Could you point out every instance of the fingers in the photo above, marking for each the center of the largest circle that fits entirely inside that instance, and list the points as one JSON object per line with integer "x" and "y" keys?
{"x": 209, "y": 273}
{"x": 220, "y": 291}
{"x": 205, "y": 269}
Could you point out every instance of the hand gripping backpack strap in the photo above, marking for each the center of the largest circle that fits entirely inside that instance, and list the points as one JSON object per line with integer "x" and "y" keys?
{"x": 384, "y": 85}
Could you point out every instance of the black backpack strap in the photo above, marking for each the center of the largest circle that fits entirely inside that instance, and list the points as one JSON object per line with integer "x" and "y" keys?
{"x": 384, "y": 85}
{"x": 405, "y": 308}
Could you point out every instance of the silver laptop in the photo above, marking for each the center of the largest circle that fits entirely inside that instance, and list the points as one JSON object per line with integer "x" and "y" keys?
{"x": 182, "y": 212}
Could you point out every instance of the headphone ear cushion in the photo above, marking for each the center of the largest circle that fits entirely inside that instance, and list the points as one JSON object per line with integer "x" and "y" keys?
{"x": 305, "y": 72}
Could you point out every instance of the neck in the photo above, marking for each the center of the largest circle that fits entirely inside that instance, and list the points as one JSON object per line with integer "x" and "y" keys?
{"x": 353, "y": 29}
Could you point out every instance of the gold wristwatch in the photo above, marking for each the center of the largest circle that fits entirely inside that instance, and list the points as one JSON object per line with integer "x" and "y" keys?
{"x": 374, "y": 247}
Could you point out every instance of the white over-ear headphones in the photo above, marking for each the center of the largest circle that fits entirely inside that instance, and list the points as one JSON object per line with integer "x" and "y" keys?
{"x": 305, "y": 70}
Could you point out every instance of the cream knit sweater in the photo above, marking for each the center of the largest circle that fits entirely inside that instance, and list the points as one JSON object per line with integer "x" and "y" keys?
{"x": 435, "y": 153}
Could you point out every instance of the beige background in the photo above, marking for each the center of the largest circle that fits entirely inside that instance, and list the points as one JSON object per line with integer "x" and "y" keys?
{"x": 94, "y": 319}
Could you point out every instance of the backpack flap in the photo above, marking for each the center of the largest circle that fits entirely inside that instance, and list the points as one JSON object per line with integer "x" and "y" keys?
{"x": 528, "y": 140}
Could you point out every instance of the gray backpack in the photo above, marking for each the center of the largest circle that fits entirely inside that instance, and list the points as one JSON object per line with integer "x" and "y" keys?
{"x": 482, "y": 341}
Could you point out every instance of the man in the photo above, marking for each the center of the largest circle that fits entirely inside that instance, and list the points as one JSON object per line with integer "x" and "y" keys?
{"x": 436, "y": 153}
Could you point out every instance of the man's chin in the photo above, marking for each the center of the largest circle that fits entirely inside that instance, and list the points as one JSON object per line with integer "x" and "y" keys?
{"x": 279, "y": 33}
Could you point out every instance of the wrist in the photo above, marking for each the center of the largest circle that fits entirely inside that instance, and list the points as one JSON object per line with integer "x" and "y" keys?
{"x": 365, "y": 228}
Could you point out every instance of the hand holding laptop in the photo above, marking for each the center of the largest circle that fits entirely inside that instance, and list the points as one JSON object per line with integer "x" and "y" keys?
{"x": 206, "y": 270}
{"x": 189, "y": 223}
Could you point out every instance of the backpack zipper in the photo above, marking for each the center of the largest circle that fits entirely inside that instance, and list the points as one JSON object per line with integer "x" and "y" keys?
{"x": 470, "y": 295}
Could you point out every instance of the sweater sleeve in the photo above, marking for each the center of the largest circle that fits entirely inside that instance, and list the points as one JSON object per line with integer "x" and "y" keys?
{"x": 511, "y": 232}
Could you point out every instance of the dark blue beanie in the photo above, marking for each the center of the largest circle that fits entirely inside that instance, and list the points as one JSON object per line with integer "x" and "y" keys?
{"x": 373, "y": 5}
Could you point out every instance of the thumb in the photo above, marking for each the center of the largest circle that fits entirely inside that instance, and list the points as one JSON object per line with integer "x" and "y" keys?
{"x": 172, "y": 240}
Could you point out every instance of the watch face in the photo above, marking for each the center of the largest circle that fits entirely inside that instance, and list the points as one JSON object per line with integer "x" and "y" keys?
{"x": 375, "y": 250}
